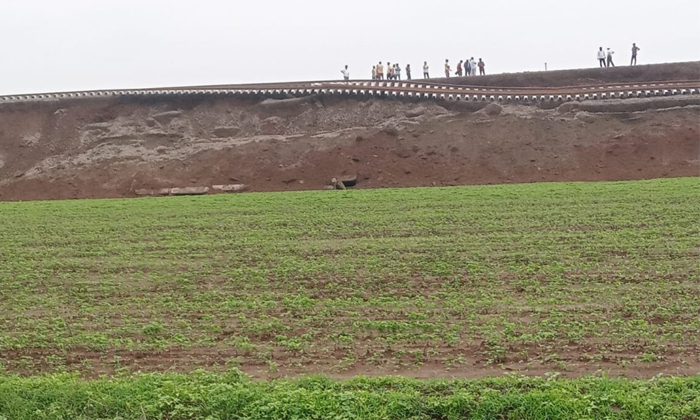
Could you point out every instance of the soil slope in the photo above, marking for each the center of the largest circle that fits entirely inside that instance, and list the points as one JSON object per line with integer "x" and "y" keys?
{"x": 113, "y": 147}
{"x": 592, "y": 76}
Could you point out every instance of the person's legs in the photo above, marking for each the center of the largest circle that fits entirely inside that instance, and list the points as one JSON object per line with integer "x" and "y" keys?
{"x": 482, "y": 72}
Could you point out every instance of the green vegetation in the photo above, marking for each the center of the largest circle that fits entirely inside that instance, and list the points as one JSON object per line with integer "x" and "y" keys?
{"x": 203, "y": 395}
{"x": 532, "y": 278}
{"x": 470, "y": 281}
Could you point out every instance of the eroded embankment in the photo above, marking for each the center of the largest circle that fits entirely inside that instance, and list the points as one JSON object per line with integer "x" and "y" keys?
{"x": 113, "y": 147}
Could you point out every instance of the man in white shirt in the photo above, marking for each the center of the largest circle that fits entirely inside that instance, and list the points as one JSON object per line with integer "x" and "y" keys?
{"x": 610, "y": 60}
{"x": 472, "y": 63}
{"x": 426, "y": 70}
{"x": 346, "y": 73}
{"x": 601, "y": 57}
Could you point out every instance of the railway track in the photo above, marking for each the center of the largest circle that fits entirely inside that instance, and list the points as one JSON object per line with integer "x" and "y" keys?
{"x": 399, "y": 89}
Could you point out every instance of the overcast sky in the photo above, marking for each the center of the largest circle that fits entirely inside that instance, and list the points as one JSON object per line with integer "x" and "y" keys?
{"x": 59, "y": 45}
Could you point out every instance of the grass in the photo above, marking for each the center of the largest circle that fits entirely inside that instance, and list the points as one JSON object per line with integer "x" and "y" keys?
{"x": 574, "y": 278}
{"x": 230, "y": 395}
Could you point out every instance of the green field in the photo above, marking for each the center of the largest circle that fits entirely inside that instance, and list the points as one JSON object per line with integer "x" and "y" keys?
{"x": 463, "y": 282}
{"x": 202, "y": 395}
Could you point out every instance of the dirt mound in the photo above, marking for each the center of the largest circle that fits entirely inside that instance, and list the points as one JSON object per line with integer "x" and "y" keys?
{"x": 112, "y": 147}
{"x": 596, "y": 75}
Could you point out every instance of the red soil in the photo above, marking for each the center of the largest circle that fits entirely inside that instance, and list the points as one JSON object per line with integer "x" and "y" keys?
{"x": 112, "y": 147}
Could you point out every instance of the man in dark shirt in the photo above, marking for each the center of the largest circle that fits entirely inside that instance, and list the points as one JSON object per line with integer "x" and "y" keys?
{"x": 635, "y": 48}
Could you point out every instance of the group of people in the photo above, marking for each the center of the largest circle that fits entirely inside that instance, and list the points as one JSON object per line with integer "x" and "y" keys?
{"x": 605, "y": 58}
{"x": 469, "y": 67}
{"x": 466, "y": 67}
{"x": 393, "y": 71}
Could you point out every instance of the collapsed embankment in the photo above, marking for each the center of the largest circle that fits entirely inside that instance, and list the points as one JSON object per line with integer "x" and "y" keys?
{"x": 112, "y": 147}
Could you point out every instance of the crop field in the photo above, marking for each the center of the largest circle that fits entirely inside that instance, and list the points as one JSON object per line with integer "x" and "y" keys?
{"x": 462, "y": 282}
{"x": 227, "y": 396}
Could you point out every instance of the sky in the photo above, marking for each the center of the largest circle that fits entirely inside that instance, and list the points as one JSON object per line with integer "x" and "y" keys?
{"x": 64, "y": 45}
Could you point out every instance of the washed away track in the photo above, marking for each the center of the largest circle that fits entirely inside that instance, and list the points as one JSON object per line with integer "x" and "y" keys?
{"x": 400, "y": 89}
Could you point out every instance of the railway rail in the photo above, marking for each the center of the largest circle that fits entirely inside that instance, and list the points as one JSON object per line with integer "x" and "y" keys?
{"x": 399, "y": 89}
